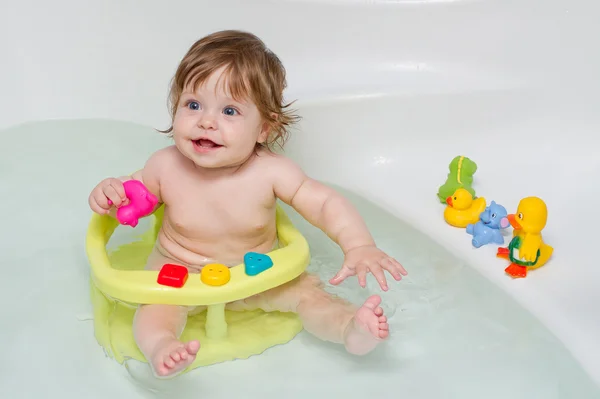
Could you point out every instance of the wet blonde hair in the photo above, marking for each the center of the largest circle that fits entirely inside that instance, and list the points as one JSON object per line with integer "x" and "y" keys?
{"x": 251, "y": 71}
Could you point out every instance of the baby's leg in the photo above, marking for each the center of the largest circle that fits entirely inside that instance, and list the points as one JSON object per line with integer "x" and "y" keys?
{"x": 325, "y": 316}
{"x": 156, "y": 330}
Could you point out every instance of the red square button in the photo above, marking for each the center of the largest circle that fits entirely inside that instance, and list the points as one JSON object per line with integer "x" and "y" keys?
{"x": 172, "y": 275}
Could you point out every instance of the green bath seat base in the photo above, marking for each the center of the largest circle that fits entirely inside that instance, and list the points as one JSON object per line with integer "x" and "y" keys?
{"x": 243, "y": 334}
{"x": 248, "y": 333}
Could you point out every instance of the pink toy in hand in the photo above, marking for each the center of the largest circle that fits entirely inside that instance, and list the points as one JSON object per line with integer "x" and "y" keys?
{"x": 141, "y": 203}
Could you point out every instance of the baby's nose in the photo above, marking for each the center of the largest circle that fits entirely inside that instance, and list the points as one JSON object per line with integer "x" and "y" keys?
{"x": 207, "y": 121}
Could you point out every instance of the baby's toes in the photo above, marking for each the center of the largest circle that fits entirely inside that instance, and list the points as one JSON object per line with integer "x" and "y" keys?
{"x": 162, "y": 370}
{"x": 384, "y": 330}
{"x": 192, "y": 347}
{"x": 169, "y": 362}
{"x": 378, "y": 311}
{"x": 382, "y": 319}
{"x": 175, "y": 356}
{"x": 183, "y": 354}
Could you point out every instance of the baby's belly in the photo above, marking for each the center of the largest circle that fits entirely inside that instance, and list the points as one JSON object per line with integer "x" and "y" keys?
{"x": 195, "y": 255}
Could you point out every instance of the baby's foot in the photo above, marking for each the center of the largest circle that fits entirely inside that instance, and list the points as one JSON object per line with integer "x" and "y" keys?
{"x": 172, "y": 356}
{"x": 367, "y": 328}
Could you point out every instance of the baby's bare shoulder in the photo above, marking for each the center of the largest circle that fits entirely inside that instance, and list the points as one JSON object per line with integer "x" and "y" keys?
{"x": 284, "y": 174}
{"x": 277, "y": 165}
{"x": 164, "y": 155}
{"x": 158, "y": 167}
{"x": 163, "y": 160}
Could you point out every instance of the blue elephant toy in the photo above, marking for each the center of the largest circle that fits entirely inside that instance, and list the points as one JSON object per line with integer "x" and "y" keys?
{"x": 487, "y": 230}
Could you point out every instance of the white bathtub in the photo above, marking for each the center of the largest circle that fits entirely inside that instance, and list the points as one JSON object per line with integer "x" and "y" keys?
{"x": 395, "y": 89}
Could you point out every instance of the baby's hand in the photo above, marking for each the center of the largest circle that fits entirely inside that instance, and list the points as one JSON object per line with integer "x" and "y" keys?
{"x": 369, "y": 258}
{"x": 110, "y": 189}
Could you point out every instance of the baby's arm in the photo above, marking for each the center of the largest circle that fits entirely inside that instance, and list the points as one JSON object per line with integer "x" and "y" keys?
{"x": 112, "y": 188}
{"x": 326, "y": 209}
{"x": 322, "y": 206}
{"x": 150, "y": 174}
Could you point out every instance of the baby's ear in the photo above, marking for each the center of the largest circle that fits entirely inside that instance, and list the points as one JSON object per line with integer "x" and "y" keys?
{"x": 264, "y": 132}
{"x": 266, "y": 129}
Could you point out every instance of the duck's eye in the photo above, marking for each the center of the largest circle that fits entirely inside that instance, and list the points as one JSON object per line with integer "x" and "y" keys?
{"x": 520, "y": 216}
{"x": 454, "y": 198}
{"x": 494, "y": 215}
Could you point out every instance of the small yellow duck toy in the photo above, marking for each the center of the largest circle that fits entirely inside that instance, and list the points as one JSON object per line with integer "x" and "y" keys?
{"x": 462, "y": 209}
{"x": 527, "y": 250}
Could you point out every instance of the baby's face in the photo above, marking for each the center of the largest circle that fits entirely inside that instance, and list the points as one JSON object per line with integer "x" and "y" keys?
{"x": 215, "y": 131}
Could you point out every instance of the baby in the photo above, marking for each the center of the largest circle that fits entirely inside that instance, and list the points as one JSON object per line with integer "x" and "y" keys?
{"x": 219, "y": 184}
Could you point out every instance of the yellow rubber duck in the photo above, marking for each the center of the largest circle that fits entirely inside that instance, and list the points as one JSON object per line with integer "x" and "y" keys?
{"x": 462, "y": 209}
{"x": 528, "y": 223}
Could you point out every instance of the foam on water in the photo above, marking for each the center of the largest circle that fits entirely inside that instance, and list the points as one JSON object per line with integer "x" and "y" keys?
{"x": 454, "y": 334}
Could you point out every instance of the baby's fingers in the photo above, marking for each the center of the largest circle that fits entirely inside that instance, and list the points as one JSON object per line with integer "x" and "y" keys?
{"x": 101, "y": 209}
{"x": 377, "y": 271}
{"x": 361, "y": 272}
{"x": 115, "y": 196}
{"x": 119, "y": 188}
{"x": 344, "y": 272}
{"x": 400, "y": 267}
{"x": 394, "y": 268}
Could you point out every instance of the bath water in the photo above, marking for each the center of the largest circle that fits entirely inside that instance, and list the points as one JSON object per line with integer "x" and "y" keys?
{"x": 453, "y": 333}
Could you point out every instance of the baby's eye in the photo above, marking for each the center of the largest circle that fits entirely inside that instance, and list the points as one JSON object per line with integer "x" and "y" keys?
{"x": 193, "y": 105}
{"x": 230, "y": 111}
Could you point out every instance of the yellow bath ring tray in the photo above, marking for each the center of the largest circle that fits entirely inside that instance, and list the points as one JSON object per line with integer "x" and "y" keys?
{"x": 119, "y": 284}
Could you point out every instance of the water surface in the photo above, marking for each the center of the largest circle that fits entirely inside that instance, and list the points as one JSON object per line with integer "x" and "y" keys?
{"x": 454, "y": 334}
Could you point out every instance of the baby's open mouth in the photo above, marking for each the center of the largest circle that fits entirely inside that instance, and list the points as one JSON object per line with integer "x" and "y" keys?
{"x": 205, "y": 143}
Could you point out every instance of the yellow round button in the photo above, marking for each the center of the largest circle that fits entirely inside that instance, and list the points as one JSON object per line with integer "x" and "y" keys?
{"x": 215, "y": 274}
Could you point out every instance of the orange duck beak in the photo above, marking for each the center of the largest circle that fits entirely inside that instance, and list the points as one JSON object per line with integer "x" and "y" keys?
{"x": 512, "y": 219}
{"x": 449, "y": 201}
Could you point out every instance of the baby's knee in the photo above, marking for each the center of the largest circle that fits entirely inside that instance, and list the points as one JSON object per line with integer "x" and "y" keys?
{"x": 310, "y": 289}
{"x": 284, "y": 298}
{"x": 312, "y": 293}
{"x": 305, "y": 286}
{"x": 309, "y": 281}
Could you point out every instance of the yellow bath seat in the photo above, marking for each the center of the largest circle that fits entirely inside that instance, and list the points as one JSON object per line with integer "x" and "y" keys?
{"x": 119, "y": 284}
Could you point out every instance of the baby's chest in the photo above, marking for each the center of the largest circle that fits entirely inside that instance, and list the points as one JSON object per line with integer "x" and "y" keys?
{"x": 219, "y": 210}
